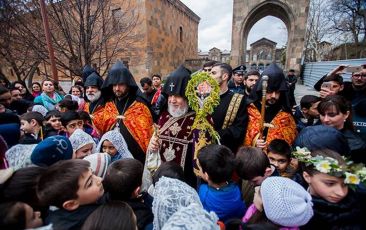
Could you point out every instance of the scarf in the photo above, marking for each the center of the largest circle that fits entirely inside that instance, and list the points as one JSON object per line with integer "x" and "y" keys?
{"x": 49, "y": 102}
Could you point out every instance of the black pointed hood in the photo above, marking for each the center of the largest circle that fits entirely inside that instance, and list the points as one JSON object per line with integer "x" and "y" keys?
{"x": 276, "y": 79}
{"x": 87, "y": 70}
{"x": 119, "y": 74}
{"x": 94, "y": 80}
{"x": 276, "y": 82}
{"x": 177, "y": 81}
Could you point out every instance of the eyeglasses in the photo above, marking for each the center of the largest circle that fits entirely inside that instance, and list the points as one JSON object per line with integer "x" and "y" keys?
{"x": 207, "y": 69}
{"x": 359, "y": 75}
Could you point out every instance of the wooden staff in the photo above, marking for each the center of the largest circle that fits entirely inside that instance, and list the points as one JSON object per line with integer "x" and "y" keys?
{"x": 263, "y": 105}
{"x": 263, "y": 109}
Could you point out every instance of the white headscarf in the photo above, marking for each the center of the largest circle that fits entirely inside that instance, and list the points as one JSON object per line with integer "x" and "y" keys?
{"x": 169, "y": 196}
{"x": 192, "y": 217}
{"x": 41, "y": 109}
{"x": 116, "y": 138}
{"x": 19, "y": 156}
{"x": 79, "y": 139}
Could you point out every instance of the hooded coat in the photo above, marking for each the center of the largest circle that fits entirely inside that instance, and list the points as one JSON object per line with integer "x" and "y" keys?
{"x": 129, "y": 113}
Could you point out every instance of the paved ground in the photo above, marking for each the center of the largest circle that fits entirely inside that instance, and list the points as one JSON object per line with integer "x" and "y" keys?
{"x": 302, "y": 90}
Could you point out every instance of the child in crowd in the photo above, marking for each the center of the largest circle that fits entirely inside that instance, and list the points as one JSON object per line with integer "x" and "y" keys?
{"x": 51, "y": 150}
{"x": 18, "y": 216}
{"x": 113, "y": 215}
{"x": 70, "y": 186}
{"x": 21, "y": 186}
{"x": 99, "y": 163}
{"x": 82, "y": 144}
{"x": 170, "y": 195}
{"x": 88, "y": 125}
{"x": 329, "y": 175}
{"x": 307, "y": 113}
{"x": 53, "y": 124}
{"x": 281, "y": 202}
{"x": 19, "y": 156}
{"x": 67, "y": 104}
{"x": 71, "y": 121}
{"x": 113, "y": 143}
{"x": 220, "y": 195}
{"x": 279, "y": 155}
{"x": 123, "y": 182}
{"x": 253, "y": 166}
{"x": 192, "y": 217}
{"x": 31, "y": 127}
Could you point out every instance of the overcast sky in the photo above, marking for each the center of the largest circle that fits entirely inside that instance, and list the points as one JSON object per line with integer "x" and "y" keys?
{"x": 214, "y": 29}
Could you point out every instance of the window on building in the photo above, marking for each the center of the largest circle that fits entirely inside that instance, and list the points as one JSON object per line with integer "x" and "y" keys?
{"x": 181, "y": 34}
{"x": 116, "y": 17}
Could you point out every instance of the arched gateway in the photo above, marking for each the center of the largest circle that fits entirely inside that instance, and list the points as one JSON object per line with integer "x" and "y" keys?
{"x": 293, "y": 13}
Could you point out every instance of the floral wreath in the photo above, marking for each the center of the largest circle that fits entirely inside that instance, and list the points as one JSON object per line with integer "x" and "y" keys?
{"x": 205, "y": 106}
{"x": 354, "y": 174}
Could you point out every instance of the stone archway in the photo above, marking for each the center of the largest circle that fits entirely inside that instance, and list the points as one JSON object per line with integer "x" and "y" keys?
{"x": 293, "y": 13}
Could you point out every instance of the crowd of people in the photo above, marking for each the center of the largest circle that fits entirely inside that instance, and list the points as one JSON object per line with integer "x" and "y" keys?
{"x": 110, "y": 154}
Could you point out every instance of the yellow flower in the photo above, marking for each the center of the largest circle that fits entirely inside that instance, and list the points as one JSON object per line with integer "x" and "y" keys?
{"x": 323, "y": 166}
{"x": 351, "y": 178}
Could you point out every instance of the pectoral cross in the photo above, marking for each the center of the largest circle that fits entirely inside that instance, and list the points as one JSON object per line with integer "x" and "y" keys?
{"x": 171, "y": 86}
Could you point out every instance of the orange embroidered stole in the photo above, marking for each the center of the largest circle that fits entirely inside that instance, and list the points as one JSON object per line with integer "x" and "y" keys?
{"x": 137, "y": 119}
{"x": 283, "y": 127}
{"x": 97, "y": 117}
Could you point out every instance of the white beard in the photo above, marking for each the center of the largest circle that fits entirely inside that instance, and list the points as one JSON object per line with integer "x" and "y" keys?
{"x": 177, "y": 112}
{"x": 94, "y": 97}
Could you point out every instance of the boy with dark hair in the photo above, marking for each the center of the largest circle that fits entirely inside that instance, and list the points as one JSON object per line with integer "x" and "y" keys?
{"x": 333, "y": 85}
{"x": 31, "y": 125}
{"x": 253, "y": 166}
{"x": 279, "y": 155}
{"x": 53, "y": 124}
{"x": 123, "y": 182}
{"x": 70, "y": 186}
{"x": 217, "y": 164}
{"x": 71, "y": 121}
{"x": 307, "y": 113}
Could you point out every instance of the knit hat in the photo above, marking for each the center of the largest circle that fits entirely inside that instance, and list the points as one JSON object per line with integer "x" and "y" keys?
{"x": 79, "y": 139}
{"x": 313, "y": 138}
{"x": 99, "y": 163}
{"x": 192, "y": 217}
{"x": 169, "y": 196}
{"x": 286, "y": 202}
{"x": 51, "y": 150}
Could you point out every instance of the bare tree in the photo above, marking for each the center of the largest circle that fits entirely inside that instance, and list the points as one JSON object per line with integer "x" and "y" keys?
{"x": 317, "y": 31}
{"x": 83, "y": 32}
{"x": 347, "y": 18}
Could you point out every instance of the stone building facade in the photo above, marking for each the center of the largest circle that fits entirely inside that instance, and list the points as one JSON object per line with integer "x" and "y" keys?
{"x": 216, "y": 54}
{"x": 261, "y": 53}
{"x": 167, "y": 35}
{"x": 293, "y": 13}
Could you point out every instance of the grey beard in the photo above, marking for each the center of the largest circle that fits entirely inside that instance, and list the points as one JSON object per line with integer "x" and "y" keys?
{"x": 94, "y": 97}
{"x": 177, "y": 112}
